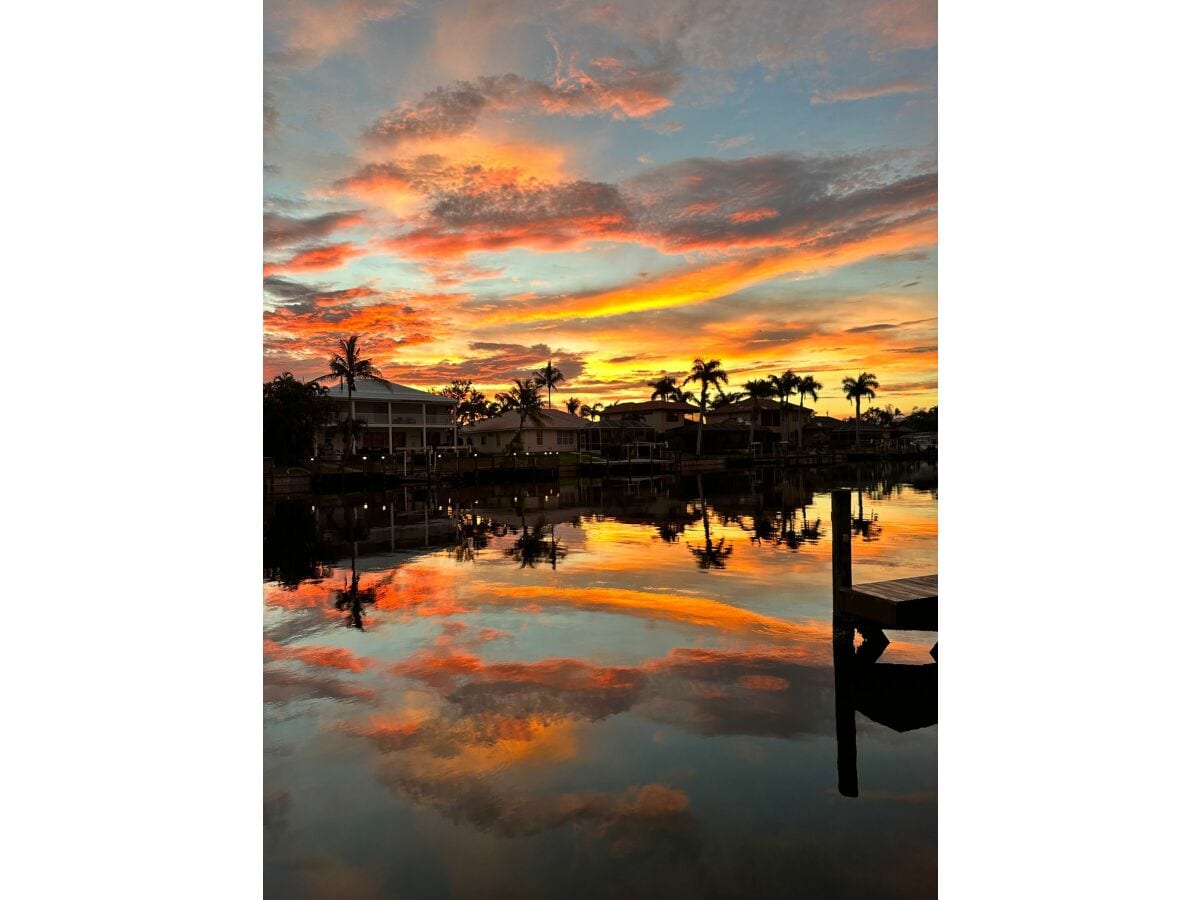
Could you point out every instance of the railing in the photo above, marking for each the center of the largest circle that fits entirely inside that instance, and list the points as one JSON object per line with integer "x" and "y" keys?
{"x": 377, "y": 418}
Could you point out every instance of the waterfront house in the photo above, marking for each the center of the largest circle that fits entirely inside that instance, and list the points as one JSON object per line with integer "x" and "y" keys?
{"x": 772, "y": 421}
{"x": 660, "y": 415}
{"x": 397, "y": 417}
{"x": 558, "y": 431}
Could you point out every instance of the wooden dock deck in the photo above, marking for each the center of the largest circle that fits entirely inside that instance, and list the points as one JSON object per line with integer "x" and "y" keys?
{"x": 908, "y": 603}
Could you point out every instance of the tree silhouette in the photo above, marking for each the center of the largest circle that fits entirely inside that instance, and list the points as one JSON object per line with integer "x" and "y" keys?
{"x": 857, "y": 388}
{"x": 805, "y": 386}
{"x": 548, "y": 377}
{"x": 705, "y": 374}
{"x": 784, "y": 385}
{"x": 525, "y": 398}
{"x": 349, "y": 368}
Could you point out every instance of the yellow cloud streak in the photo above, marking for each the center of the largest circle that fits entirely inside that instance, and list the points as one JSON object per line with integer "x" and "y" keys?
{"x": 709, "y": 282}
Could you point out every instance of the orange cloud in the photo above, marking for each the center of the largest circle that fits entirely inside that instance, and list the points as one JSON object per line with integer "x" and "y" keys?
{"x": 753, "y": 215}
{"x": 325, "y": 657}
{"x": 316, "y": 259}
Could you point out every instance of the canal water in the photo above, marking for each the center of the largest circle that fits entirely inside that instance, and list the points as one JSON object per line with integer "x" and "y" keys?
{"x": 592, "y": 690}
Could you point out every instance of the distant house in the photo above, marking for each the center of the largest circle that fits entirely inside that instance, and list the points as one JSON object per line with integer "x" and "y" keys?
{"x": 771, "y": 420}
{"x": 660, "y": 415}
{"x": 397, "y": 418}
{"x": 558, "y": 431}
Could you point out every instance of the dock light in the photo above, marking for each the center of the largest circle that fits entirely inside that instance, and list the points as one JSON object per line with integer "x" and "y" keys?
{"x": 384, "y": 507}
{"x": 312, "y": 509}
{"x": 364, "y": 459}
{"x": 365, "y": 506}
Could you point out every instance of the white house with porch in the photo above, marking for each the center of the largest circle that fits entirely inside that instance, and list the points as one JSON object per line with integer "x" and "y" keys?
{"x": 558, "y": 431}
{"x": 398, "y": 418}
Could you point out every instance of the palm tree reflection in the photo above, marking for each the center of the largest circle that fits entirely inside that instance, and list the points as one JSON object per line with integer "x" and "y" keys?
{"x": 710, "y": 556}
{"x": 352, "y": 599}
{"x": 533, "y": 545}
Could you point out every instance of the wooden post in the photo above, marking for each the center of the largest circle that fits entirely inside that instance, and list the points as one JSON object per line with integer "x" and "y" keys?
{"x": 841, "y": 546}
{"x": 843, "y": 705}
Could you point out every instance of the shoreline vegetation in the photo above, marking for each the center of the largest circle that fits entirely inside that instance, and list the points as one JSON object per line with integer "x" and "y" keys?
{"x": 296, "y": 412}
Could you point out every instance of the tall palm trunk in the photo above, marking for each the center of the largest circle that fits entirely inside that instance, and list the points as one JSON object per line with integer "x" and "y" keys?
{"x": 800, "y": 426}
{"x": 700, "y": 425}
{"x": 350, "y": 391}
{"x": 857, "y": 414}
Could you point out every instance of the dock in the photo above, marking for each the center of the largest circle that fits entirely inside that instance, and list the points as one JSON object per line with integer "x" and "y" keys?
{"x": 907, "y": 603}
{"x": 900, "y": 697}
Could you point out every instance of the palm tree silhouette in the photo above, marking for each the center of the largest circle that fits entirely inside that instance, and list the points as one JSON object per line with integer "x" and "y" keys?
{"x": 591, "y": 411}
{"x": 784, "y": 385}
{"x": 548, "y": 377}
{"x": 349, "y": 367}
{"x": 805, "y": 385}
{"x": 573, "y": 405}
{"x": 665, "y": 388}
{"x": 857, "y": 388}
{"x": 525, "y": 398}
{"x": 705, "y": 374}
{"x": 757, "y": 389}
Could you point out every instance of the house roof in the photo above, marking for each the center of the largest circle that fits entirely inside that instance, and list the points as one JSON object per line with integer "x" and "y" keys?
{"x": 388, "y": 390}
{"x": 644, "y": 406}
{"x": 825, "y": 422}
{"x": 747, "y": 405}
{"x": 511, "y": 421}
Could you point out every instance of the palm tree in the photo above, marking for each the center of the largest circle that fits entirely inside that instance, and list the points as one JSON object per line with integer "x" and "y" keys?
{"x": 728, "y": 398}
{"x": 591, "y": 411}
{"x": 807, "y": 385}
{"x": 526, "y": 399}
{"x": 784, "y": 385}
{"x": 757, "y": 389}
{"x": 548, "y": 378}
{"x": 705, "y": 374}
{"x": 349, "y": 368}
{"x": 573, "y": 405}
{"x": 665, "y": 388}
{"x": 857, "y": 388}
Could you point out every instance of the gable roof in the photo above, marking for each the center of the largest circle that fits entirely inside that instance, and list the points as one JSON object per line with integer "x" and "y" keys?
{"x": 388, "y": 390}
{"x": 511, "y": 421}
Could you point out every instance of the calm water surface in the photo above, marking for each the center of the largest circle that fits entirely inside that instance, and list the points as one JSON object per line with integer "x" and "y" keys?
{"x": 589, "y": 691}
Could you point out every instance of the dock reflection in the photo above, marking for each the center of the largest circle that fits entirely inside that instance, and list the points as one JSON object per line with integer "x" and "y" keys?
{"x": 902, "y": 697}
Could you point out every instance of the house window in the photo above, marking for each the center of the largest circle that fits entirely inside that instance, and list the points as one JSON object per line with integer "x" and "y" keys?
{"x": 540, "y": 435}
{"x": 564, "y": 438}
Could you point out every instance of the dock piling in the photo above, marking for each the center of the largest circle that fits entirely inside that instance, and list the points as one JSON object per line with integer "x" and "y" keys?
{"x": 841, "y": 546}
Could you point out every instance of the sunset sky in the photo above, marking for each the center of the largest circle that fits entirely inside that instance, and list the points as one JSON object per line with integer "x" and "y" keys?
{"x": 475, "y": 187}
